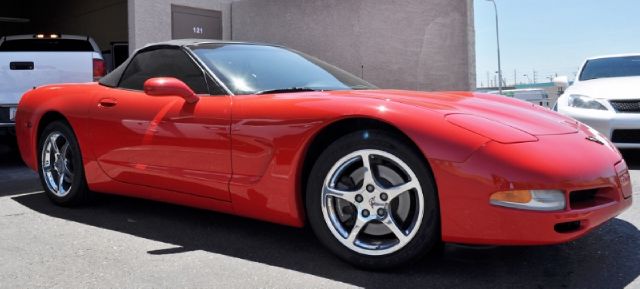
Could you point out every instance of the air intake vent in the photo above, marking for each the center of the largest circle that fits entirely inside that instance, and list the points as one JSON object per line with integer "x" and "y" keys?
{"x": 590, "y": 198}
{"x": 625, "y": 136}
{"x": 628, "y": 106}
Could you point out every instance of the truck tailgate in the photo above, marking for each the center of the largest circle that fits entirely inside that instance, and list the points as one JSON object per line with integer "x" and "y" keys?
{"x": 21, "y": 71}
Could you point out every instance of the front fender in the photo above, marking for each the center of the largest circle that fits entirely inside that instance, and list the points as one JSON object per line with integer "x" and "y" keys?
{"x": 40, "y": 105}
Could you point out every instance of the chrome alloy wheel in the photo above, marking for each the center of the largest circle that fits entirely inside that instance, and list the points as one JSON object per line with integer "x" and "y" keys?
{"x": 372, "y": 202}
{"x": 57, "y": 164}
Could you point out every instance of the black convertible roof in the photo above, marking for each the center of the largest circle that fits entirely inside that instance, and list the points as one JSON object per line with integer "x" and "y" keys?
{"x": 190, "y": 42}
{"x": 112, "y": 79}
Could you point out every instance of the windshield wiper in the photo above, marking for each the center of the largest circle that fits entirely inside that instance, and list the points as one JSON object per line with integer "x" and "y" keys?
{"x": 286, "y": 90}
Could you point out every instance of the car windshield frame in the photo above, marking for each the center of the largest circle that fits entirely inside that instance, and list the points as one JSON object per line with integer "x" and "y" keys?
{"x": 232, "y": 64}
{"x": 610, "y": 67}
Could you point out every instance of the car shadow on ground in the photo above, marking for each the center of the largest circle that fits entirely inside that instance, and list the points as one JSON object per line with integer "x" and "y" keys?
{"x": 606, "y": 258}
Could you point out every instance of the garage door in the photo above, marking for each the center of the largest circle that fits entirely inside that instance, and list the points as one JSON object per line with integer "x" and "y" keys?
{"x": 188, "y": 22}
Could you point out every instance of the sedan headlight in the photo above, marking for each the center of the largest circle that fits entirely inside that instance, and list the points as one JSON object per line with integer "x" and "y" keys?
{"x": 583, "y": 101}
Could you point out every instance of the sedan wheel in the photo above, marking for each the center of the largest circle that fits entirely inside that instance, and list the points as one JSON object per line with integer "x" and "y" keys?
{"x": 60, "y": 165}
{"x": 57, "y": 164}
{"x": 371, "y": 200}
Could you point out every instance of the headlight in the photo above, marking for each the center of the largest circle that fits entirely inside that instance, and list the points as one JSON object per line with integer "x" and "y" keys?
{"x": 536, "y": 200}
{"x": 583, "y": 101}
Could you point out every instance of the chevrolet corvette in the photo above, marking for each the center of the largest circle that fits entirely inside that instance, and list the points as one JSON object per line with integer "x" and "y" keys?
{"x": 262, "y": 131}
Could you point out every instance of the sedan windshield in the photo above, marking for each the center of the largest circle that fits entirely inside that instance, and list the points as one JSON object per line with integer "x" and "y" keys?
{"x": 611, "y": 67}
{"x": 258, "y": 69}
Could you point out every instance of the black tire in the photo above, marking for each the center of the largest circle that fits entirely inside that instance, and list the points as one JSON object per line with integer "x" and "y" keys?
{"x": 426, "y": 239}
{"x": 78, "y": 192}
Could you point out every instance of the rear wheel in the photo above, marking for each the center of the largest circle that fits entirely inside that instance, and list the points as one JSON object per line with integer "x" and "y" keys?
{"x": 371, "y": 200}
{"x": 60, "y": 165}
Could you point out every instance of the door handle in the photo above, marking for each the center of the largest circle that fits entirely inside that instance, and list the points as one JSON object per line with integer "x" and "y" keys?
{"x": 108, "y": 102}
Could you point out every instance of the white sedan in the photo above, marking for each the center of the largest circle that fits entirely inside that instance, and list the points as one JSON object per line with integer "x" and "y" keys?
{"x": 606, "y": 96}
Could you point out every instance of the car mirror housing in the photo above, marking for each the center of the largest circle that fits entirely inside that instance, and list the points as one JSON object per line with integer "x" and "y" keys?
{"x": 169, "y": 86}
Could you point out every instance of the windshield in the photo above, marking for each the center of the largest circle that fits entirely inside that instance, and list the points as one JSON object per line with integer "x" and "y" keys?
{"x": 611, "y": 67}
{"x": 251, "y": 69}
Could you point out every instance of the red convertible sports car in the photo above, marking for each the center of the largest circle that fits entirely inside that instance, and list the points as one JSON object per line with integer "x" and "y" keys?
{"x": 262, "y": 131}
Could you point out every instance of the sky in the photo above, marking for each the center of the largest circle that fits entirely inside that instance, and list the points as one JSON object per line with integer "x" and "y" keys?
{"x": 552, "y": 36}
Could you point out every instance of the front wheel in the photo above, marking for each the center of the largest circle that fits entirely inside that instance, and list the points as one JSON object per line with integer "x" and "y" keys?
{"x": 372, "y": 201}
{"x": 60, "y": 165}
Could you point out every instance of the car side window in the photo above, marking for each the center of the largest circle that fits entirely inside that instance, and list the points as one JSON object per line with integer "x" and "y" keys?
{"x": 214, "y": 87}
{"x": 163, "y": 62}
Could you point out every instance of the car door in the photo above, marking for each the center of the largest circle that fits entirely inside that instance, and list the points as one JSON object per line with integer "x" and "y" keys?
{"x": 164, "y": 142}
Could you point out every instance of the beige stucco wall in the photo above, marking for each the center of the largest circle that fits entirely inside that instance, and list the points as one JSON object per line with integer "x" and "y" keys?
{"x": 407, "y": 44}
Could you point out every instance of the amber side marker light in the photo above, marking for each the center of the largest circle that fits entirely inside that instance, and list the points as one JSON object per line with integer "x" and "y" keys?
{"x": 535, "y": 200}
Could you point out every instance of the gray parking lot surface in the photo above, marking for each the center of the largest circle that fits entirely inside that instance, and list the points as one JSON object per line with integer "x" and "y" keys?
{"x": 119, "y": 242}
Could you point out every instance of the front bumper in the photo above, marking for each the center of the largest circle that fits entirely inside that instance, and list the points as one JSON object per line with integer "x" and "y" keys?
{"x": 562, "y": 162}
{"x": 606, "y": 122}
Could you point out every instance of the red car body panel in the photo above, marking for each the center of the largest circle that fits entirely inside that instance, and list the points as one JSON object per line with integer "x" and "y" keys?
{"x": 163, "y": 142}
{"x": 244, "y": 154}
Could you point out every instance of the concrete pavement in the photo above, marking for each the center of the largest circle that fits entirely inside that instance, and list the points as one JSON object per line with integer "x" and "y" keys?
{"x": 121, "y": 242}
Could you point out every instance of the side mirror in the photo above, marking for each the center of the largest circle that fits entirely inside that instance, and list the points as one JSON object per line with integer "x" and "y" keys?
{"x": 169, "y": 86}
{"x": 561, "y": 81}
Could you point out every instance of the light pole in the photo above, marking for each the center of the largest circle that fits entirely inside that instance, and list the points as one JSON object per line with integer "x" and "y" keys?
{"x": 498, "y": 41}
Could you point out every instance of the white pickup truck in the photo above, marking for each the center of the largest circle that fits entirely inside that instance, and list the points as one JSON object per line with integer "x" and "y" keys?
{"x": 28, "y": 61}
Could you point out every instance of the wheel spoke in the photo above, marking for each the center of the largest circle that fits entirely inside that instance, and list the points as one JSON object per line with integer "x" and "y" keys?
{"x": 345, "y": 195}
{"x": 368, "y": 173}
{"x": 68, "y": 176}
{"x": 395, "y": 229}
{"x": 64, "y": 149}
{"x": 357, "y": 228}
{"x": 67, "y": 171}
{"x": 394, "y": 192}
{"x": 61, "y": 182}
{"x": 47, "y": 168}
{"x": 53, "y": 140}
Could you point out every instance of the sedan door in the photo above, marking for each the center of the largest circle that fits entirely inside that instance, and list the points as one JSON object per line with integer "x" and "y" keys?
{"x": 164, "y": 142}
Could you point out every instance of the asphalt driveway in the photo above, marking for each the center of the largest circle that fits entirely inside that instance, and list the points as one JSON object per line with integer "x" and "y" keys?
{"x": 123, "y": 243}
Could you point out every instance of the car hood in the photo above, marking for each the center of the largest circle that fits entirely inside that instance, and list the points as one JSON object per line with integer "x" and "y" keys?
{"x": 521, "y": 115}
{"x": 608, "y": 88}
